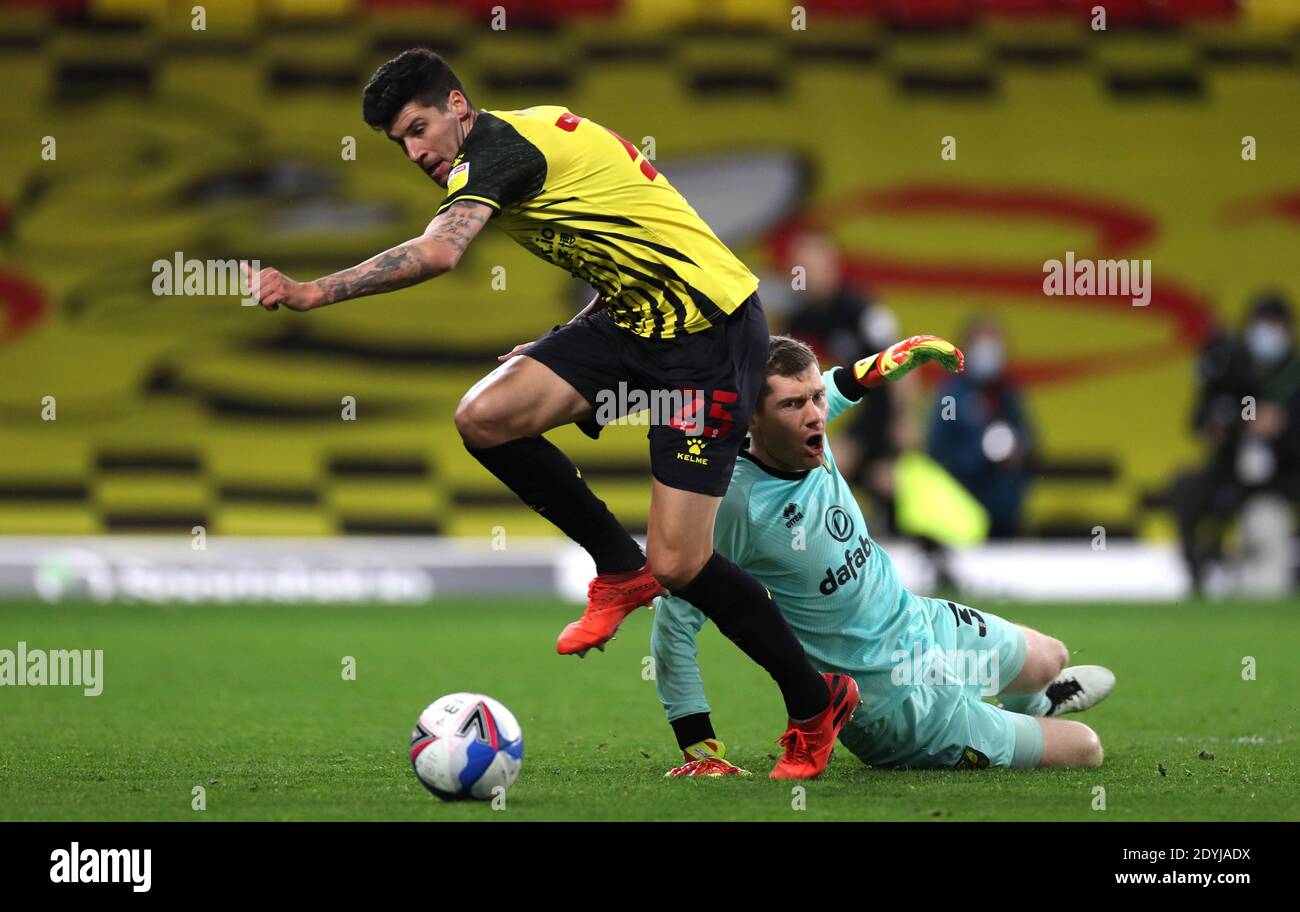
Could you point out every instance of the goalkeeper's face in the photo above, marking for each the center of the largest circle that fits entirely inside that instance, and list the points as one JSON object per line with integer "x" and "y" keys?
{"x": 789, "y": 425}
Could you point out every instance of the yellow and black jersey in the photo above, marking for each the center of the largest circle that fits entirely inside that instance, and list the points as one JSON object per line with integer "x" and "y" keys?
{"x": 585, "y": 199}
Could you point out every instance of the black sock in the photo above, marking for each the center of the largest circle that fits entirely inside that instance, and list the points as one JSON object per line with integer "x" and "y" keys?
{"x": 546, "y": 480}
{"x": 745, "y": 613}
{"x": 692, "y": 729}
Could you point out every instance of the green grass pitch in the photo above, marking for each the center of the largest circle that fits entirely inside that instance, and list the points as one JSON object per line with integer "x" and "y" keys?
{"x": 250, "y": 703}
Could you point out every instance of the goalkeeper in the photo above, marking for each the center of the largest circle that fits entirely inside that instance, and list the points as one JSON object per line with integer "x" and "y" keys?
{"x": 922, "y": 664}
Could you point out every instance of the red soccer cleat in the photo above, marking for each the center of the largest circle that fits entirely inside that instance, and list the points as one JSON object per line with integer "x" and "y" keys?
{"x": 610, "y": 598}
{"x": 808, "y": 744}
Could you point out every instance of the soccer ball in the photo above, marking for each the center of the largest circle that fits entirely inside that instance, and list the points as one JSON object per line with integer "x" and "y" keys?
{"x": 466, "y": 745}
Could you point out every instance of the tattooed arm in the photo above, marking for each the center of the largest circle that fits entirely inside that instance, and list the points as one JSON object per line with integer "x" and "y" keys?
{"x": 436, "y": 251}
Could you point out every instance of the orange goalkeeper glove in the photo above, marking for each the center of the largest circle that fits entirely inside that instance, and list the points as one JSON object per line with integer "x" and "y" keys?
{"x": 705, "y": 758}
{"x": 901, "y": 357}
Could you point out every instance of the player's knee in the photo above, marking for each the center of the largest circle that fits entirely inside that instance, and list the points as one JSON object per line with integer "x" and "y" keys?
{"x": 481, "y": 422}
{"x": 1046, "y": 659}
{"x": 468, "y": 419}
{"x": 1067, "y": 743}
{"x": 1060, "y": 657}
{"x": 1089, "y": 751}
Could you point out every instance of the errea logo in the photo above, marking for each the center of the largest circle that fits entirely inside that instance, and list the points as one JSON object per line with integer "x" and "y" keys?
{"x": 792, "y": 515}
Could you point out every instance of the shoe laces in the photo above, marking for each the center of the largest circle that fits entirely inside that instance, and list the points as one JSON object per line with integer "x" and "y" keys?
{"x": 1060, "y": 691}
{"x": 600, "y": 594}
{"x": 795, "y": 742}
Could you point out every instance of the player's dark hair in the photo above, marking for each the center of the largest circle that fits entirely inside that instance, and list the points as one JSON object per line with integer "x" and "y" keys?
{"x": 786, "y": 357}
{"x": 418, "y": 73}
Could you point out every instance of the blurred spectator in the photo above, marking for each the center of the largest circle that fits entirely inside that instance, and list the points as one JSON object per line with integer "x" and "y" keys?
{"x": 843, "y": 325}
{"x": 837, "y": 320}
{"x": 982, "y": 435}
{"x": 1248, "y": 414}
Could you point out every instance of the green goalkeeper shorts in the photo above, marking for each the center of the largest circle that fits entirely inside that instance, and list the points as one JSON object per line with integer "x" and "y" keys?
{"x": 945, "y": 723}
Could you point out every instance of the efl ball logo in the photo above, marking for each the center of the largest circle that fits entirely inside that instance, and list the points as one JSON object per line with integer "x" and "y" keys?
{"x": 457, "y": 177}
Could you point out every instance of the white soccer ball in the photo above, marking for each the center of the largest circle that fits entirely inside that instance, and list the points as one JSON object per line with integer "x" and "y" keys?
{"x": 467, "y": 745}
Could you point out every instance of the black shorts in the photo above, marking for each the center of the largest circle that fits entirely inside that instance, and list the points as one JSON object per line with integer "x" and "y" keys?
{"x": 701, "y": 388}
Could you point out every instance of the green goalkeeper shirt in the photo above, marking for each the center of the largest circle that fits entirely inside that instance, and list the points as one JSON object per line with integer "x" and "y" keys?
{"x": 802, "y": 535}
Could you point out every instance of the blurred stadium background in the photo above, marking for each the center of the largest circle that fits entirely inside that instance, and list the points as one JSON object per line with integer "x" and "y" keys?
{"x": 182, "y": 412}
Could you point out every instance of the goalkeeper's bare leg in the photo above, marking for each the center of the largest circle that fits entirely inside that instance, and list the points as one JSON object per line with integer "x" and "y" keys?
{"x": 1047, "y": 688}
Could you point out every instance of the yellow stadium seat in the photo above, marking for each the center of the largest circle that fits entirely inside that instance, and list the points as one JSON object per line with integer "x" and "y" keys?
{"x": 661, "y": 14}
{"x": 1272, "y": 12}
{"x": 298, "y": 10}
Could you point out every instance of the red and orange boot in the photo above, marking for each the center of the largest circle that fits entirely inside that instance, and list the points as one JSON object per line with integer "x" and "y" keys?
{"x": 610, "y": 598}
{"x": 808, "y": 745}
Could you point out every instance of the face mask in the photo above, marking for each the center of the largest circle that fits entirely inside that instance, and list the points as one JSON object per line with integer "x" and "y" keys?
{"x": 1255, "y": 462}
{"x": 984, "y": 360}
{"x": 1267, "y": 342}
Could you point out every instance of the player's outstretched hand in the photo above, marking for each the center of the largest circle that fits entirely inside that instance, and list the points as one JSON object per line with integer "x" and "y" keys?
{"x": 901, "y": 358}
{"x": 271, "y": 288}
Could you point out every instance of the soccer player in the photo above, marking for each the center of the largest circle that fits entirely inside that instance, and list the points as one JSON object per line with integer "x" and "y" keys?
{"x": 922, "y": 664}
{"x": 674, "y": 310}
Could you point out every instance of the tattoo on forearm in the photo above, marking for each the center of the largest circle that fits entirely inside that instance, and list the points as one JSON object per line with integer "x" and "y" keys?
{"x": 458, "y": 225}
{"x": 399, "y": 267}
{"x": 406, "y": 264}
